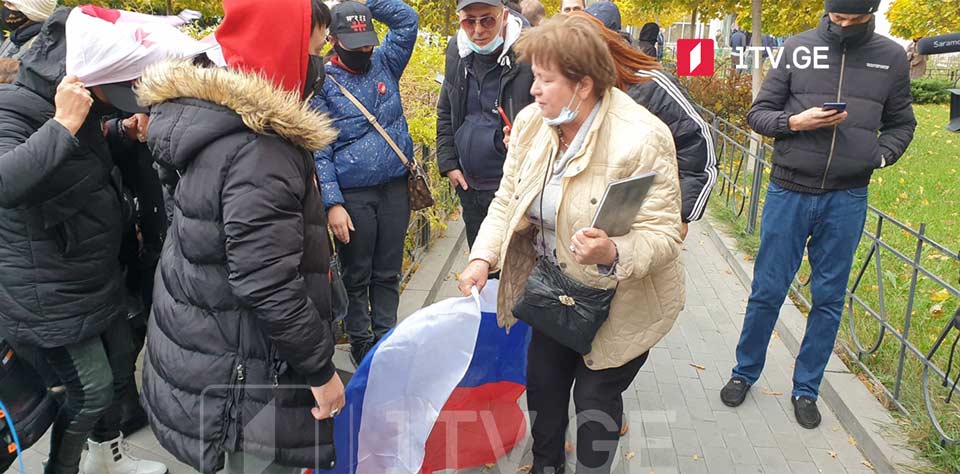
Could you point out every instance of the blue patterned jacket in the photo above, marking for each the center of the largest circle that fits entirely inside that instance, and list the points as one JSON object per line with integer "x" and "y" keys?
{"x": 361, "y": 157}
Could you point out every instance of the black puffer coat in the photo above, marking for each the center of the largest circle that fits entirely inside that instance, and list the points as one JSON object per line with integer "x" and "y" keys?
{"x": 872, "y": 75}
{"x": 60, "y": 211}
{"x": 240, "y": 326}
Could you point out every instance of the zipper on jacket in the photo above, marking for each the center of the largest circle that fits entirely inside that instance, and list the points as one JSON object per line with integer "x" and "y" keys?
{"x": 236, "y": 377}
{"x": 833, "y": 142}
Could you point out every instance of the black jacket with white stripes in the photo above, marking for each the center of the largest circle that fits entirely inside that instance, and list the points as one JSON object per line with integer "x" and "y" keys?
{"x": 663, "y": 96}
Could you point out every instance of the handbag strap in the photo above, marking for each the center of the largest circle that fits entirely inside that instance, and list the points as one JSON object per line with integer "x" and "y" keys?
{"x": 373, "y": 121}
{"x": 543, "y": 191}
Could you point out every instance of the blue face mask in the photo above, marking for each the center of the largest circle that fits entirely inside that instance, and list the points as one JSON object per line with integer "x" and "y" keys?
{"x": 489, "y": 48}
{"x": 566, "y": 115}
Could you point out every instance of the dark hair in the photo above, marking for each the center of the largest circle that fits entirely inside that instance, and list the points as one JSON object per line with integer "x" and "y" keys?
{"x": 320, "y": 15}
{"x": 513, "y": 5}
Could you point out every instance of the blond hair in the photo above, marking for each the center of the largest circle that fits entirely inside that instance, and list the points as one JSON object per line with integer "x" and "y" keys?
{"x": 574, "y": 46}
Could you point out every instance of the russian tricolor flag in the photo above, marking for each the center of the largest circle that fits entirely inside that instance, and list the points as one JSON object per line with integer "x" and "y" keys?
{"x": 438, "y": 392}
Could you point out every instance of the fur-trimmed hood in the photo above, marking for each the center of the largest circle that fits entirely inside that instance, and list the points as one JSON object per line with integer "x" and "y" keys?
{"x": 252, "y": 100}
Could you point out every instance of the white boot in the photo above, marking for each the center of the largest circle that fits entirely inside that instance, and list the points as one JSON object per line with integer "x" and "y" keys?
{"x": 111, "y": 457}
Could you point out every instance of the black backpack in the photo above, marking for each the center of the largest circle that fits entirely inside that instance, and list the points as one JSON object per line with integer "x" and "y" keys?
{"x": 31, "y": 408}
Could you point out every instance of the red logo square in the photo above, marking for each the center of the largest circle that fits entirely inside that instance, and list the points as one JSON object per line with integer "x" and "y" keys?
{"x": 695, "y": 57}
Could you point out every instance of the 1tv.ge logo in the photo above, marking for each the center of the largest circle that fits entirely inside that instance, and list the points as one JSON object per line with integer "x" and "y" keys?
{"x": 695, "y": 57}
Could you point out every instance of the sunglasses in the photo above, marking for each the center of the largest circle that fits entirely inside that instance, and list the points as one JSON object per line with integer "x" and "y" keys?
{"x": 487, "y": 22}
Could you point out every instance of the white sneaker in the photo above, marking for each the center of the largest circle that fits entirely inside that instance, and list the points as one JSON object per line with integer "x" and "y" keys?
{"x": 111, "y": 457}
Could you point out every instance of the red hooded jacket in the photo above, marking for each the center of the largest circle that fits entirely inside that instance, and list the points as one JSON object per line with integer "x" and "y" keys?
{"x": 270, "y": 38}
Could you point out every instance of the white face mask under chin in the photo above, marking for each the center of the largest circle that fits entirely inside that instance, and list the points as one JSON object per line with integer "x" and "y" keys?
{"x": 566, "y": 115}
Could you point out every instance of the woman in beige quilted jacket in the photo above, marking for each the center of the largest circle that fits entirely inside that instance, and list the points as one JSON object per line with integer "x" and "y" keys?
{"x": 593, "y": 134}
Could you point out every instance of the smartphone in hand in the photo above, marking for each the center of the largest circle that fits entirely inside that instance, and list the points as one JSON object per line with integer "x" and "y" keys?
{"x": 838, "y": 106}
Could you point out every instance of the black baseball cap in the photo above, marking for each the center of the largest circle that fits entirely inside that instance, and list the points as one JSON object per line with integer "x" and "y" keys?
{"x": 461, "y": 4}
{"x": 122, "y": 96}
{"x": 352, "y": 25}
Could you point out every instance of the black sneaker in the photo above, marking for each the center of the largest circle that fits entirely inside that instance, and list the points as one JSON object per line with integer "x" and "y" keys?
{"x": 806, "y": 411}
{"x": 734, "y": 392}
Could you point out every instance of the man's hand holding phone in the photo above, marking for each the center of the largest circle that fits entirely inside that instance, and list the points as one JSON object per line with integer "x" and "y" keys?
{"x": 818, "y": 117}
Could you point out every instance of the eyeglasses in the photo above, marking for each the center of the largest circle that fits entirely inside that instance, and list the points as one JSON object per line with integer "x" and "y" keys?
{"x": 487, "y": 22}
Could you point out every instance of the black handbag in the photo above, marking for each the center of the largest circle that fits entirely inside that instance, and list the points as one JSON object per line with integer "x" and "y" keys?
{"x": 560, "y": 307}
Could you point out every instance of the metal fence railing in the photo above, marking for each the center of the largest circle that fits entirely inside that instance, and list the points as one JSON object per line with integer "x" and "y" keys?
{"x": 743, "y": 177}
{"x": 942, "y": 73}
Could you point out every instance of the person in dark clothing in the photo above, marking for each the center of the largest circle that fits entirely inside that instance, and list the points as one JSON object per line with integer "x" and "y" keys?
{"x": 364, "y": 181}
{"x": 22, "y": 19}
{"x": 650, "y": 86}
{"x": 239, "y": 341}
{"x": 62, "y": 213}
{"x": 482, "y": 78}
{"x": 817, "y": 197}
{"x": 142, "y": 242}
{"x": 647, "y": 39}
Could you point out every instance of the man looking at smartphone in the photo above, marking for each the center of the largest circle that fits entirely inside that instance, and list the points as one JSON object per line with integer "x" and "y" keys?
{"x": 817, "y": 199}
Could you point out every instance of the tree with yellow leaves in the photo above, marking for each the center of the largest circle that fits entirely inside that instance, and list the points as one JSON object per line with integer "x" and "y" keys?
{"x": 914, "y": 19}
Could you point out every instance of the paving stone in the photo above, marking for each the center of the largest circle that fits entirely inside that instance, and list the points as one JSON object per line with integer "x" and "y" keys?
{"x": 709, "y": 433}
{"x": 718, "y": 459}
{"x": 792, "y": 448}
{"x": 759, "y": 433}
{"x": 685, "y": 442}
{"x": 748, "y": 469}
{"x": 825, "y": 462}
{"x": 741, "y": 451}
{"x": 692, "y": 465}
{"x": 803, "y": 467}
{"x": 772, "y": 460}
{"x": 730, "y": 424}
{"x": 645, "y": 382}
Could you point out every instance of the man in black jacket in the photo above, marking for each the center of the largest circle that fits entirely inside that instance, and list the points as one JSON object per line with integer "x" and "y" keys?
{"x": 61, "y": 219}
{"x": 483, "y": 83}
{"x": 817, "y": 198}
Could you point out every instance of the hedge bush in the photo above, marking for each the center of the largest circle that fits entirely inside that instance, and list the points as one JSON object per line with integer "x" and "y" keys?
{"x": 931, "y": 91}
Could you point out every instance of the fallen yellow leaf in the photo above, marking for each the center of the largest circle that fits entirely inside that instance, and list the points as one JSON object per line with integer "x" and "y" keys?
{"x": 524, "y": 469}
{"x": 696, "y": 457}
{"x": 903, "y": 181}
{"x": 939, "y": 296}
{"x": 489, "y": 466}
{"x": 767, "y": 391}
{"x": 851, "y": 440}
{"x": 697, "y": 366}
{"x": 867, "y": 463}
{"x": 937, "y": 310}
{"x": 630, "y": 455}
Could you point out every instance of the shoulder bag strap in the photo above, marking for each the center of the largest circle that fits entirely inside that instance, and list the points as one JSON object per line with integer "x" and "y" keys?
{"x": 373, "y": 121}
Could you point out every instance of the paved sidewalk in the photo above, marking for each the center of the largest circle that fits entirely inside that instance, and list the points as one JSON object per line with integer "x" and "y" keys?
{"x": 677, "y": 423}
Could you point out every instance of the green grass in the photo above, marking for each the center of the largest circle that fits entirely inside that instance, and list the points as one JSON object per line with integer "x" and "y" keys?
{"x": 922, "y": 188}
